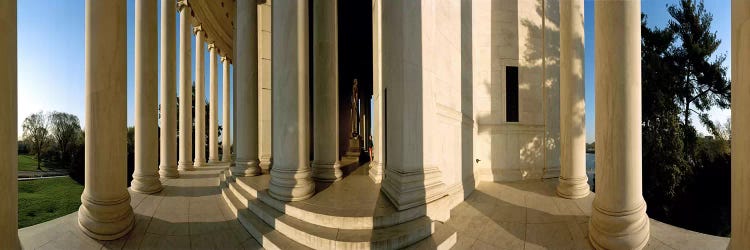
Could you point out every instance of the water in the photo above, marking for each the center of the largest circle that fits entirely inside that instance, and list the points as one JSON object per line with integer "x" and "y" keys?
{"x": 590, "y": 162}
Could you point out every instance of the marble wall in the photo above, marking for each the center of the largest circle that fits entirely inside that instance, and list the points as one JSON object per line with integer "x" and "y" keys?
{"x": 523, "y": 34}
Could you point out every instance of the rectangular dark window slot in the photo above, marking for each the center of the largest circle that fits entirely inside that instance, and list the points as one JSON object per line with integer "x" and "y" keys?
{"x": 511, "y": 94}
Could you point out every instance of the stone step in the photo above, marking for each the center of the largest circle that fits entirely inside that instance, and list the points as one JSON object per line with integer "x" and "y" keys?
{"x": 262, "y": 232}
{"x": 317, "y": 216}
{"x": 321, "y": 237}
{"x": 443, "y": 238}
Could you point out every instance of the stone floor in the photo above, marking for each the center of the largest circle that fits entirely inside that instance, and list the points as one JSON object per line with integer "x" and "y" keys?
{"x": 529, "y": 215}
{"x": 190, "y": 214}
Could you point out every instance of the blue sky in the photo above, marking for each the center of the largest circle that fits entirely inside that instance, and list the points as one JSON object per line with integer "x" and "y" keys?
{"x": 51, "y": 58}
{"x": 51, "y": 55}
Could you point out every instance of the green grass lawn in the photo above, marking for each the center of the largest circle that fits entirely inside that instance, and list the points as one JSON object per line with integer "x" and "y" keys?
{"x": 47, "y": 199}
{"x": 27, "y": 163}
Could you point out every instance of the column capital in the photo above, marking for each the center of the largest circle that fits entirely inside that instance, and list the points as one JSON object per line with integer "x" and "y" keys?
{"x": 197, "y": 28}
{"x": 211, "y": 46}
{"x": 226, "y": 59}
{"x": 182, "y": 4}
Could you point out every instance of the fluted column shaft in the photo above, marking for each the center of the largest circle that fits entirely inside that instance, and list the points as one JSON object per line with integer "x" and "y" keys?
{"x": 291, "y": 176}
{"x": 618, "y": 217}
{"x": 326, "y": 166}
{"x": 740, "y": 124}
{"x": 8, "y": 128}
{"x": 213, "y": 114}
{"x": 376, "y": 166}
{"x": 146, "y": 175}
{"x": 105, "y": 212}
{"x": 573, "y": 180}
{"x": 186, "y": 112}
{"x": 246, "y": 64}
{"x": 226, "y": 140}
{"x": 168, "y": 137}
{"x": 234, "y": 99}
{"x": 200, "y": 96}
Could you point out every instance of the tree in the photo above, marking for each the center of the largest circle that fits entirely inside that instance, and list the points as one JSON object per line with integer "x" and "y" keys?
{"x": 664, "y": 164}
{"x": 701, "y": 81}
{"x": 35, "y": 133}
{"x": 684, "y": 174}
{"x": 65, "y": 129}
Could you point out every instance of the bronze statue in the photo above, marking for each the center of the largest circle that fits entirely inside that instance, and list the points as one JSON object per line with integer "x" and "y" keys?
{"x": 355, "y": 111}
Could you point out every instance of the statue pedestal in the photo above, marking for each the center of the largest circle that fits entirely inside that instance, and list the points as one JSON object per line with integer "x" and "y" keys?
{"x": 354, "y": 147}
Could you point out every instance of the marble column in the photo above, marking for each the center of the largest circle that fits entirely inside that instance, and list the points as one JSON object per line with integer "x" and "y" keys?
{"x": 226, "y": 140}
{"x": 573, "y": 182}
{"x": 8, "y": 128}
{"x": 376, "y": 166}
{"x": 200, "y": 96}
{"x": 213, "y": 114}
{"x": 186, "y": 112}
{"x": 146, "y": 175}
{"x": 234, "y": 99}
{"x": 247, "y": 163}
{"x": 740, "y": 124}
{"x": 168, "y": 137}
{"x": 105, "y": 212}
{"x": 618, "y": 218}
{"x": 291, "y": 177}
{"x": 325, "y": 166}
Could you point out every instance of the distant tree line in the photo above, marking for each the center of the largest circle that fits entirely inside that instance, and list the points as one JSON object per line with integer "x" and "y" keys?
{"x": 57, "y": 140}
{"x": 686, "y": 176}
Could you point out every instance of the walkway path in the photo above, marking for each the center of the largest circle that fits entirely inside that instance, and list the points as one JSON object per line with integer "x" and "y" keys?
{"x": 190, "y": 214}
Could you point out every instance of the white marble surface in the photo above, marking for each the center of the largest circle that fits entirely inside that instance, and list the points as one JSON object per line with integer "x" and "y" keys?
{"x": 146, "y": 175}
{"x": 105, "y": 212}
{"x": 187, "y": 214}
{"x": 185, "y": 113}
{"x": 246, "y": 139}
{"x": 190, "y": 214}
{"x": 167, "y": 61}
{"x": 291, "y": 177}
{"x": 619, "y": 218}
{"x": 740, "y": 121}
{"x": 199, "y": 103}
{"x": 8, "y": 129}
{"x": 325, "y": 165}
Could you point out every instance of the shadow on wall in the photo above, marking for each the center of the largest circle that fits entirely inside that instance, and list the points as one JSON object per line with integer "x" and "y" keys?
{"x": 526, "y": 35}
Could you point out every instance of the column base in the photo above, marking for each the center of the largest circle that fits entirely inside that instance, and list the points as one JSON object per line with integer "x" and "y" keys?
{"x": 199, "y": 163}
{"x": 619, "y": 230}
{"x": 266, "y": 162}
{"x": 105, "y": 220}
{"x": 246, "y": 168}
{"x": 169, "y": 171}
{"x": 185, "y": 166}
{"x": 291, "y": 185}
{"x": 407, "y": 189}
{"x": 146, "y": 184}
{"x": 326, "y": 172}
{"x": 376, "y": 171}
{"x": 573, "y": 188}
{"x": 214, "y": 161}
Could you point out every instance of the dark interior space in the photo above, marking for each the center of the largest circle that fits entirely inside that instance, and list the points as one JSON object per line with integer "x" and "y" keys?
{"x": 355, "y": 62}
